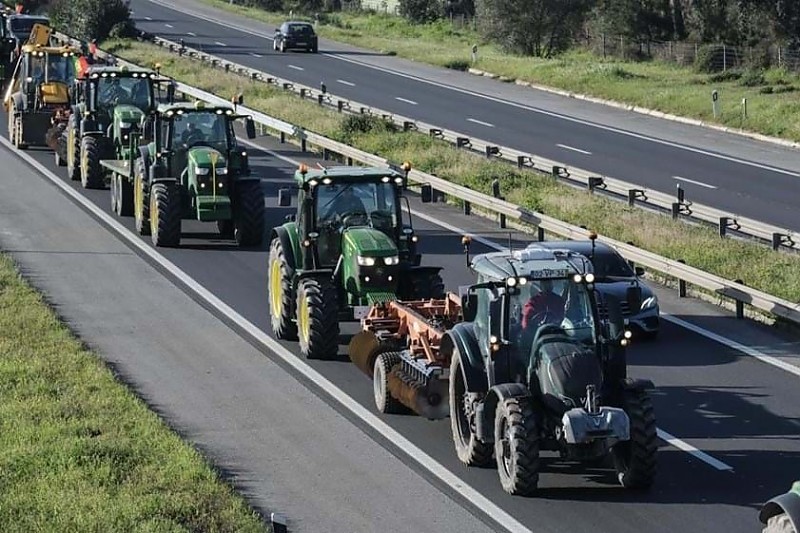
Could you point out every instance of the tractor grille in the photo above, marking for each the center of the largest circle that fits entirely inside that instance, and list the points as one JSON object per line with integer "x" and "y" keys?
{"x": 380, "y": 297}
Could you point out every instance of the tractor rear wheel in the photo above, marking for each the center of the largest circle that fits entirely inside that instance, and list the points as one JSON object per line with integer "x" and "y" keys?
{"x": 384, "y": 401}
{"x": 470, "y": 450}
{"x": 73, "y": 145}
{"x": 165, "y": 214}
{"x": 282, "y": 298}
{"x": 248, "y": 214}
{"x": 91, "y": 171}
{"x": 141, "y": 200}
{"x": 225, "y": 228}
{"x": 317, "y": 318}
{"x": 516, "y": 446}
{"x": 123, "y": 195}
{"x": 635, "y": 459}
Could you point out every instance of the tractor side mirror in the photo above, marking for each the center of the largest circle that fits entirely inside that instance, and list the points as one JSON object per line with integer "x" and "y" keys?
{"x": 290, "y": 218}
{"x": 426, "y": 193}
{"x": 250, "y": 127}
{"x": 469, "y": 306}
{"x": 639, "y": 271}
{"x": 284, "y": 198}
{"x": 616, "y": 321}
{"x": 277, "y": 31}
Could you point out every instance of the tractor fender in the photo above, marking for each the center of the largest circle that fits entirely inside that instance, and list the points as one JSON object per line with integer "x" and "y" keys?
{"x": 18, "y": 102}
{"x": 283, "y": 235}
{"x": 163, "y": 180}
{"x": 496, "y": 395}
{"x": 788, "y": 503}
{"x": 319, "y": 273}
{"x": 461, "y": 338}
{"x": 89, "y": 126}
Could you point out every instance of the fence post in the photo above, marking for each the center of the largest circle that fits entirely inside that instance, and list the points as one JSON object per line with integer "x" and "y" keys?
{"x": 739, "y": 303}
{"x": 681, "y": 283}
{"x": 604, "y": 45}
{"x": 724, "y": 58}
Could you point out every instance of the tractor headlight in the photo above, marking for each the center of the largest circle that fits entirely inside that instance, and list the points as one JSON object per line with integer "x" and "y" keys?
{"x": 222, "y": 171}
{"x": 393, "y": 260}
{"x": 366, "y": 261}
{"x": 126, "y": 125}
{"x": 200, "y": 171}
{"x": 650, "y": 302}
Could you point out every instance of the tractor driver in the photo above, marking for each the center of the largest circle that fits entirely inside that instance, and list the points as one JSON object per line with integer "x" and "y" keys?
{"x": 545, "y": 307}
{"x": 112, "y": 91}
{"x": 345, "y": 203}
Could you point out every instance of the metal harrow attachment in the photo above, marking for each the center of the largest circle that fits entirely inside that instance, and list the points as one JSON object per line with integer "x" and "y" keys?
{"x": 414, "y": 330}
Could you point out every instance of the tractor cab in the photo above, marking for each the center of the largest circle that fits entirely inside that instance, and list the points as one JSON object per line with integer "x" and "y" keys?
{"x": 43, "y": 77}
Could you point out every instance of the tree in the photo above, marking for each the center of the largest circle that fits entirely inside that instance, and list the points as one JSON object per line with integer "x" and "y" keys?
{"x": 532, "y": 27}
{"x": 421, "y": 11}
{"x": 92, "y": 19}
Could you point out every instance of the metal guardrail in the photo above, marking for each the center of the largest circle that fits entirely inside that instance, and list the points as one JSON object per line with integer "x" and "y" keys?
{"x": 678, "y": 205}
{"x": 734, "y": 290}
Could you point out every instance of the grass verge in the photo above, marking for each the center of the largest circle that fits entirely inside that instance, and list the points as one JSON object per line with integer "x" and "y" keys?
{"x": 773, "y": 97}
{"x": 80, "y": 452}
{"x": 758, "y": 266}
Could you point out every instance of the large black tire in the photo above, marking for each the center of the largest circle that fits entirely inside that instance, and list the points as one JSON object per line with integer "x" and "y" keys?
{"x": 384, "y": 401}
{"x": 124, "y": 196}
{"x": 283, "y": 300}
{"x": 516, "y": 446}
{"x": 141, "y": 200}
{"x": 635, "y": 459}
{"x": 470, "y": 450}
{"x": 248, "y": 214}
{"x": 12, "y": 126}
{"x": 317, "y": 318}
{"x": 424, "y": 287}
{"x": 92, "y": 175}
{"x": 73, "y": 151}
{"x": 225, "y": 228}
{"x": 165, "y": 214}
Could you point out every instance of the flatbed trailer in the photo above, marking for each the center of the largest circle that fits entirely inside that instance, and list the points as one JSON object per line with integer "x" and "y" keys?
{"x": 399, "y": 347}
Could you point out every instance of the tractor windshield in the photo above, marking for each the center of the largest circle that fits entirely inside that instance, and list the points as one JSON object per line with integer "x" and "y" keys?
{"x": 347, "y": 204}
{"x": 544, "y": 307}
{"x": 52, "y": 67}
{"x": 113, "y": 91}
{"x": 207, "y": 128}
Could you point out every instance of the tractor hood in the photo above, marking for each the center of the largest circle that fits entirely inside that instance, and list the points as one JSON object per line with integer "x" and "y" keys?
{"x": 204, "y": 157}
{"x": 370, "y": 242}
{"x": 128, "y": 113}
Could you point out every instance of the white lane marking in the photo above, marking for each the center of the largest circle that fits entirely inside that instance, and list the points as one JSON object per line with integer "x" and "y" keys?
{"x": 191, "y": 34}
{"x": 255, "y": 54}
{"x": 169, "y": 25}
{"x": 295, "y": 67}
{"x": 345, "y": 82}
{"x": 573, "y": 149}
{"x": 688, "y": 448}
{"x": 406, "y": 100}
{"x": 482, "y": 123}
{"x": 747, "y": 350}
{"x": 219, "y": 43}
{"x": 427, "y": 462}
{"x": 700, "y": 183}
{"x": 500, "y": 100}
{"x": 148, "y": 18}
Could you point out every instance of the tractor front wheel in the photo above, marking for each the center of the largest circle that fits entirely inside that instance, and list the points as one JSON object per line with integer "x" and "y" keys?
{"x": 516, "y": 446}
{"x": 282, "y": 299}
{"x": 91, "y": 171}
{"x": 165, "y": 214}
{"x": 470, "y": 450}
{"x": 122, "y": 196}
{"x": 248, "y": 214}
{"x": 317, "y": 318}
{"x": 635, "y": 459}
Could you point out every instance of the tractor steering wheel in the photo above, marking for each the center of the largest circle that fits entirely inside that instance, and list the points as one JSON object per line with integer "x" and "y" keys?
{"x": 353, "y": 218}
{"x": 199, "y": 140}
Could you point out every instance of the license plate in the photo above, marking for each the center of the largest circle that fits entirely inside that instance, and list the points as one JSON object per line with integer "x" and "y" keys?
{"x": 301, "y": 44}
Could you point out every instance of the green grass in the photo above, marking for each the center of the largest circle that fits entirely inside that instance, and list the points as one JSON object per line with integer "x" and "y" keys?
{"x": 662, "y": 86}
{"x": 79, "y": 451}
{"x": 757, "y": 265}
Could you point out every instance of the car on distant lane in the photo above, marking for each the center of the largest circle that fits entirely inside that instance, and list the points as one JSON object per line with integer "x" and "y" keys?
{"x": 295, "y": 35}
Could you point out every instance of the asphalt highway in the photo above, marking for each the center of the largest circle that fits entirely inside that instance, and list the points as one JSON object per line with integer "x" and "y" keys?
{"x": 739, "y": 411}
{"x": 745, "y": 178}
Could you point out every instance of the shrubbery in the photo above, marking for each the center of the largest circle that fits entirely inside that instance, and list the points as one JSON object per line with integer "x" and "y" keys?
{"x": 92, "y": 19}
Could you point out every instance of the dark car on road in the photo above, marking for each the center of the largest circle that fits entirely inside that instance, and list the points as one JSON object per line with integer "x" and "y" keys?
{"x": 295, "y": 36}
{"x": 614, "y": 275}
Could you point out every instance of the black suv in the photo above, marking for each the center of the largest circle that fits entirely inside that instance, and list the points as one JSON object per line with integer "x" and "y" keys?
{"x": 295, "y": 35}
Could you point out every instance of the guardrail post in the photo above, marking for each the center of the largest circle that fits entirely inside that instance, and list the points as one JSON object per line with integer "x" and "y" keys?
{"x": 681, "y": 283}
{"x": 594, "y": 182}
{"x": 339, "y": 105}
{"x": 723, "y": 226}
{"x": 349, "y": 161}
{"x": 492, "y": 150}
{"x": 303, "y": 92}
{"x": 325, "y": 154}
{"x": 502, "y": 221}
{"x": 283, "y": 137}
{"x": 320, "y": 99}
{"x": 409, "y": 125}
{"x": 676, "y": 209}
{"x": 461, "y": 142}
{"x": 777, "y": 240}
{"x": 540, "y": 233}
{"x": 303, "y": 145}
{"x": 739, "y": 303}
{"x": 467, "y": 208}
{"x": 524, "y": 161}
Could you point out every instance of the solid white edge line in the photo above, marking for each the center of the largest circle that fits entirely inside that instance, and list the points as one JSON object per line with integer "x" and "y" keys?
{"x": 573, "y": 149}
{"x": 498, "y": 100}
{"x": 481, "y": 502}
{"x": 747, "y": 350}
{"x": 688, "y": 448}
{"x": 699, "y": 183}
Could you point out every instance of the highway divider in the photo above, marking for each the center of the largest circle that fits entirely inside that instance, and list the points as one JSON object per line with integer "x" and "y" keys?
{"x": 678, "y": 205}
{"x": 505, "y": 211}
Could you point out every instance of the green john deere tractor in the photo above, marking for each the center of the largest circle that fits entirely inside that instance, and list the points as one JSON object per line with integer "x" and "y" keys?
{"x": 109, "y": 103}
{"x": 347, "y": 248}
{"x": 189, "y": 165}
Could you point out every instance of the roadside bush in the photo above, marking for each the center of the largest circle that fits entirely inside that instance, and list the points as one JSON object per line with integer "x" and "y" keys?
{"x": 728, "y": 75}
{"x": 752, "y": 78}
{"x": 92, "y": 19}
{"x": 715, "y": 58}
{"x": 457, "y": 64}
{"x": 266, "y": 5}
{"x": 421, "y": 11}
{"x": 353, "y": 125}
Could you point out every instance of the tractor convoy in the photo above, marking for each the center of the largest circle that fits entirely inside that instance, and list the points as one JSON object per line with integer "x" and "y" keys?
{"x": 530, "y": 357}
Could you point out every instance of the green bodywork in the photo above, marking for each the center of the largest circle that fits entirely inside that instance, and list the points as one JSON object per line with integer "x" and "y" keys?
{"x": 125, "y": 118}
{"x": 207, "y": 190}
